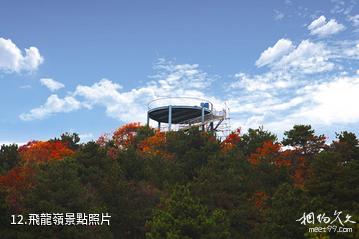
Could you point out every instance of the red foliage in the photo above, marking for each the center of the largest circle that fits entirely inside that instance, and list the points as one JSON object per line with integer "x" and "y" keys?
{"x": 231, "y": 140}
{"x": 300, "y": 172}
{"x": 20, "y": 179}
{"x": 42, "y": 151}
{"x": 285, "y": 159}
{"x": 102, "y": 140}
{"x": 260, "y": 199}
{"x": 15, "y": 182}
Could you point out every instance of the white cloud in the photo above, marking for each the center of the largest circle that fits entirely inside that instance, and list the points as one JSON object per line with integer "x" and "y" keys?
{"x": 25, "y": 87}
{"x": 322, "y": 28}
{"x": 51, "y": 84}
{"x": 278, "y": 15}
{"x": 319, "y": 22}
{"x": 322, "y": 104}
{"x": 119, "y": 105}
{"x": 13, "y": 60}
{"x": 169, "y": 80}
{"x": 354, "y": 20}
{"x": 84, "y": 137}
{"x": 342, "y": 7}
{"x": 307, "y": 58}
{"x": 53, "y": 105}
{"x": 351, "y": 51}
{"x": 276, "y": 99}
{"x": 282, "y": 47}
{"x": 285, "y": 95}
{"x": 332, "y": 102}
{"x": 262, "y": 82}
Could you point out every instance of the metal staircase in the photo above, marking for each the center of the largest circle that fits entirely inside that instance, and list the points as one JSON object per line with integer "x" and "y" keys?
{"x": 210, "y": 121}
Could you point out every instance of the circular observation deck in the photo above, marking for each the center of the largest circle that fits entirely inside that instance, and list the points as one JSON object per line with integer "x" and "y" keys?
{"x": 180, "y": 110}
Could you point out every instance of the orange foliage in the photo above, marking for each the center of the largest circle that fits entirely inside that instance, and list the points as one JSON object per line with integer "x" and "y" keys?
{"x": 125, "y": 135}
{"x": 231, "y": 140}
{"x": 122, "y": 138}
{"x": 153, "y": 146}
{"x": 42, "y": 151}
{"x": 270, "y": 152}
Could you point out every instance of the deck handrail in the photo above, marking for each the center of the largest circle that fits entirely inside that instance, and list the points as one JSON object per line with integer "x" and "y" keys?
{"x": 149, "y": 105}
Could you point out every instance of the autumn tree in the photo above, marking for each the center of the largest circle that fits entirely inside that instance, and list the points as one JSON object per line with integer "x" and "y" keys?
{"x": 42, "y": 151}
{"x": 272, "y": 165}
{"x": 155, "y": 146}
{"x": 124, "y": 136}
{"x": 15, "y": 184}
{"x": 231, "y": 141}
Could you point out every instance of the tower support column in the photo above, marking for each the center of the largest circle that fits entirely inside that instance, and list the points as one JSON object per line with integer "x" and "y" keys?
{"x": 202, "y": 119}
{"x": 169, "y": 117}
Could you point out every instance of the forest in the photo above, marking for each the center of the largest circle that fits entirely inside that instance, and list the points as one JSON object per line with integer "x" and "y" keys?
{"x": 185, "y": 184}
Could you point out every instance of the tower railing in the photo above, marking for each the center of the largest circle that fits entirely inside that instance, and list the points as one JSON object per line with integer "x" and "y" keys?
{"x": 179, "y": 101}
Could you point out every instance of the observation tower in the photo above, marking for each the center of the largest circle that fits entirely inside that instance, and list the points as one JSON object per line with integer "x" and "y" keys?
{"x": 181, "y": 113}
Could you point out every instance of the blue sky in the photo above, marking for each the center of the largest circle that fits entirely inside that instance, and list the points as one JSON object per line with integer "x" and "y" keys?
{"x": 90, "y": 66}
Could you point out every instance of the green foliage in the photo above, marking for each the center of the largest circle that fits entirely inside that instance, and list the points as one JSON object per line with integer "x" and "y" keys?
{"x": 303, "y": 138}
{"x": 254, "y": 139}
{"x": 59, "y": 190}
{"x": 144, "y": 132}
{"x": 227, "y": 184}
{"x": 286, "y": 206}
{"x": 337, "y": 181}
{"x": 9, "y": 157}
{"x": 72, "y": 139}
{"x": 183, "y": 216}
{"x": 130, "y": 203}
{"x": 347, "y": 146}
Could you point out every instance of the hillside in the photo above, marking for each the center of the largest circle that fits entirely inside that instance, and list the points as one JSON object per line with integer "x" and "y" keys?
{"x": 184, "y": 184}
